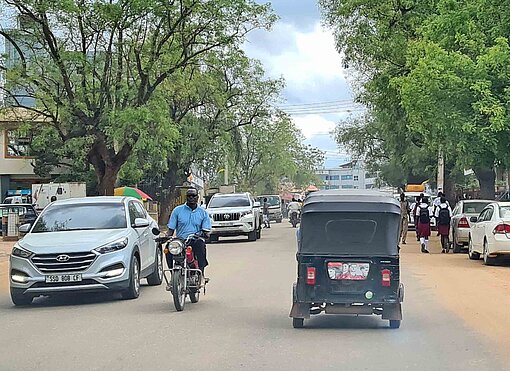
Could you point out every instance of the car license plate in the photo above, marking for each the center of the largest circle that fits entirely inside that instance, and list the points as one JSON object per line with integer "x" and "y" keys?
{"x": 227, "y": 224}
{"x": 58, "y": 278}
{"x": 348, "y": 271}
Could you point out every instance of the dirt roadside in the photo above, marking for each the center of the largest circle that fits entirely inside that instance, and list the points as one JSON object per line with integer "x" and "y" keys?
{"x": 478, "y": 294}
{"x": 5, "y": 250}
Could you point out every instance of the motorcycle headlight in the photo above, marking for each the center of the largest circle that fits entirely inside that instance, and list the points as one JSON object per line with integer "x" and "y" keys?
{"x": 113, "y": 246}
{"x": 20, "y": 252}
{"x": 175, "y": 247}
{"x": 244, "y": 213}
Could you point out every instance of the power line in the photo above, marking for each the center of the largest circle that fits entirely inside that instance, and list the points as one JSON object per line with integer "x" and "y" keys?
{"x": 342, "y": 101}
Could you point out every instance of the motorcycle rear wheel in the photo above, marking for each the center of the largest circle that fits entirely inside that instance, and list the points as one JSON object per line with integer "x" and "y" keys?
{"x": 178, "y": 290}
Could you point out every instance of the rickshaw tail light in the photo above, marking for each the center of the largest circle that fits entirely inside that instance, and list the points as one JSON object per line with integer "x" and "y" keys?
{"x": 310, "y": 276}
{"x": 386, "y": 278}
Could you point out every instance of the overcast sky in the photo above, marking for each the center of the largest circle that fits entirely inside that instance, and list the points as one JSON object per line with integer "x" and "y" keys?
{"x": 303, "y": 52}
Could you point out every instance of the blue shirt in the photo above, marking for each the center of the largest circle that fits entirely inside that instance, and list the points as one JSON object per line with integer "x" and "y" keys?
{"x": 186, "y": 221}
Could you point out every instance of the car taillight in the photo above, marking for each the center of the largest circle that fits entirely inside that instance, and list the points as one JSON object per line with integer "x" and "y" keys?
{"x": 310, "y": 276}
{"x": 463, "y": 223}
{"x": 502, "y": 229}
{"x": 386, "y": 278}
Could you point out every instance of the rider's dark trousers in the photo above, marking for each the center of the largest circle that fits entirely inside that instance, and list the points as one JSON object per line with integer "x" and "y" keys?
{"x": 200, "y": 252}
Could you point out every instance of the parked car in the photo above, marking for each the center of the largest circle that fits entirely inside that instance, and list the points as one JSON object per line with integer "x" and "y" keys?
{"x": 234, "y": 214}
{"x": 27, "y": 212}
{"x": 460, "y": 223}
{"x": 489, "y": 235}
{"x": 275, "y": 207}
{"x": 83, "y": 245}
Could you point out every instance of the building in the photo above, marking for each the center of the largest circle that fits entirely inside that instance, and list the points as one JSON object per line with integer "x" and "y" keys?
{"x": 16, "y": 164}
{"x": 351, "y": 175}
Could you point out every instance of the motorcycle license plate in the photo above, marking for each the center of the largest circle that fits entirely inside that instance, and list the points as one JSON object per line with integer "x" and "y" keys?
{"x": 57, "y": 278}
{"x": 348, "y": 271}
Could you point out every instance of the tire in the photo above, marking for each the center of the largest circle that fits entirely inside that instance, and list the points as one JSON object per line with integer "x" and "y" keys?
{"x": 278, "y": 221}
{"x": 259, "y": 232}
{"x": 486, "y": 259}
{"x": 472, "y": 254}
{"x": 177, "y": 282}
{"x": 133, "y": 291}
{"x": 156, "y": 277}
{"x": 252, "y": 236}
{"x": 19, "y": 299}
{"x": 194, "y": 296}
{"x": 456, "y": 246}
{"x": 213, "y": 238}
{"x": 298, "y": 322}
{"x": 395, "y": 323}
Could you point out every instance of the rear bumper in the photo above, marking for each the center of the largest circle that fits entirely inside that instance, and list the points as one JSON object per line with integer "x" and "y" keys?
{"x": 462, "y": 235}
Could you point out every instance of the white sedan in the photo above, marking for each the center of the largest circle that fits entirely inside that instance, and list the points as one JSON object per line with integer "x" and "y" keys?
{"x": 490, "y": 233}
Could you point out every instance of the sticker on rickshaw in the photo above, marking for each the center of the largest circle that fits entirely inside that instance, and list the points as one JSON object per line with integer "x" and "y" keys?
{"x": 348, "y": 271}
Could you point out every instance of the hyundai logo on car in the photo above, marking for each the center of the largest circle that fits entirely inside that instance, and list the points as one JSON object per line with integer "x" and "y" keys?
{"x": 63, "y": 258}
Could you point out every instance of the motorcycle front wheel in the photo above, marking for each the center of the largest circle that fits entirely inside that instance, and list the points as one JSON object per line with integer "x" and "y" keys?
{"x": 178, "y": 289}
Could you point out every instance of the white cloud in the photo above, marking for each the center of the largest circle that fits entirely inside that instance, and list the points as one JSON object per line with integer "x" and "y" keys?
{"x": 311, "y": 125}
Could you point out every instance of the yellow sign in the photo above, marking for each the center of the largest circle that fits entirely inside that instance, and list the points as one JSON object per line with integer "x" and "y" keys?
{"x": 415, "y": 188}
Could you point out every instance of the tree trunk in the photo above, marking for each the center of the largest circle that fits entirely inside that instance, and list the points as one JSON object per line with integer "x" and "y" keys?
{"x": 487, "y": 179}
{"x": 106, "y": 182}
{"x": 107, "y": 165}
{"x": 172, "y": 179}
{"x": 449, "y": 183}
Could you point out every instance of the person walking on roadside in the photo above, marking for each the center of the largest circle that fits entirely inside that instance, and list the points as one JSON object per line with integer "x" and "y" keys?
{"x": 404, "y": 217}
{"x": 414, "y": 205}
{"x": 443, "y": 215}
{"x": 265, "y": 213}
{"x": 424, "y": 214}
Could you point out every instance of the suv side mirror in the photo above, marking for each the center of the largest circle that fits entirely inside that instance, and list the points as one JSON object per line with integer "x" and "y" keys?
{"x": 256, "y": 204}
{"x": 25, "y": 228}
{"x": 140, "y": 223}
{"x": 473, "y": 219}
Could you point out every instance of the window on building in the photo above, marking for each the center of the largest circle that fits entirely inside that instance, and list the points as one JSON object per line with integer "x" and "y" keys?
{"x": 16, "y": 145}
{"x": 334, "y": 177}
{"x": 348, "y": 186}
{"x": 346, "y": 177}
{"x": 356, "y": 178}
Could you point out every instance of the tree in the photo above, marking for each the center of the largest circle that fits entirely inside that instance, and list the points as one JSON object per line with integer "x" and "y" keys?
{"x": 104, "y": 65}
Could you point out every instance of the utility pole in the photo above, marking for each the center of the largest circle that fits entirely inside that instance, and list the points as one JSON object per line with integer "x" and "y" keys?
{"x": 440, "y": 172}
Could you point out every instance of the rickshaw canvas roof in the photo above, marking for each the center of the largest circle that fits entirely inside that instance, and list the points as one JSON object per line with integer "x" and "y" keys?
{"x": 351, "y": 200}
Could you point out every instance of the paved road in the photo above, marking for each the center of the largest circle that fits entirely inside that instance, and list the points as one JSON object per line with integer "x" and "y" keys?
{"x": 242, "y": 323}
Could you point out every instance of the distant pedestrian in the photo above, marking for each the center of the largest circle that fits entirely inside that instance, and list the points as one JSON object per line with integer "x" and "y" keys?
{"x": 404, "y": 217}
{"x": 424, "y": 213}
{"x": 265, "y": 213}
{"x": 443, "y": 215}
{"x": 414, "y": 205}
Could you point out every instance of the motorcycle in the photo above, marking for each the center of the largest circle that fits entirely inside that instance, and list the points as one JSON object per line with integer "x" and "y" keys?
{"x": 294, "y": 218}
{"x": 184, "y": 278}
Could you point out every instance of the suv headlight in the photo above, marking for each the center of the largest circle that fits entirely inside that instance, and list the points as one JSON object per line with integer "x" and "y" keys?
{"x": 20, "y": 252}
{"x": 175, "y": 247}
{"x": 113, "y": 246}
{"x": 244, "y": 213}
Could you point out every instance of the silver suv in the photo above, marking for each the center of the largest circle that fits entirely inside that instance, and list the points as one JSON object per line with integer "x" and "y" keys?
{"x": 83, "y": 245}
{"x": 234, "y": 214}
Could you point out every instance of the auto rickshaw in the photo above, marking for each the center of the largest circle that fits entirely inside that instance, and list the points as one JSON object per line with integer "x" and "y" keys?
{"x": 348, "y": 256}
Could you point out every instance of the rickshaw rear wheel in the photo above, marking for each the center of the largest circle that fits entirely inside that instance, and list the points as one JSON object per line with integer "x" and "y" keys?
{"x": 298, "y": 322}
{"x": 394, "y": 323}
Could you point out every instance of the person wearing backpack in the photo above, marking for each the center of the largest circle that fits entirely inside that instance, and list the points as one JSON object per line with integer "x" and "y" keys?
{"x": 423, "y": 214}
{"x": 443, "y": 216}
{"x": 414, "y": 206}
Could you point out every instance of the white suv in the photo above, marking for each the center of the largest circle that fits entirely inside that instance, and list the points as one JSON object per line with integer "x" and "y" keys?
{"x": 234, "y": 214}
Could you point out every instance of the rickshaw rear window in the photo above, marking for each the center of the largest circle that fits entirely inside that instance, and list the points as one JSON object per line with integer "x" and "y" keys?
{"x": 350, "y": 233}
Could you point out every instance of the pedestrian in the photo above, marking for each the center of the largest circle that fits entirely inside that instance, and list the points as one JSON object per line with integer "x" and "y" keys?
{"x": 424, "y": 213}
{"x": 443, "y": 215}
{"x": 404, "y": 217}
{"x": 265, "y": 213}
{"x": 414, "y": 205}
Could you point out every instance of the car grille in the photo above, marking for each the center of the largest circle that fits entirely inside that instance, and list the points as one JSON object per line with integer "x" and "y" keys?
{"x": 227, "y": 217}
{"x": 77, "y": 262}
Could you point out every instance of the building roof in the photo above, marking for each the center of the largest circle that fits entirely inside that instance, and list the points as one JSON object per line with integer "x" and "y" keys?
{"x": 9, "y": 115}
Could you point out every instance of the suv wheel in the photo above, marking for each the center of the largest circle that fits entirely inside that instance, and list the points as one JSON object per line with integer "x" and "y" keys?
{"x": 133, "y": 291}
{"x": 19, "y": 299}
{"x": 156, "y": 276}
{"x": 252, "y": 236}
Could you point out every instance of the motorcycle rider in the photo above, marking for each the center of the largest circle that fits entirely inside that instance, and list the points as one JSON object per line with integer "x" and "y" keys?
{"x": 188, "y": 219}
{"x": 294, "y": 206}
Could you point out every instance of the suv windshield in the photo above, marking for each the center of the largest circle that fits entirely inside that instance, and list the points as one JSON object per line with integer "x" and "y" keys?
{"x": 229, "y": 201}
{"x": 81, "y": 217}
{"x": 271, "y": 200}
{"x": 474, "y": 207}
